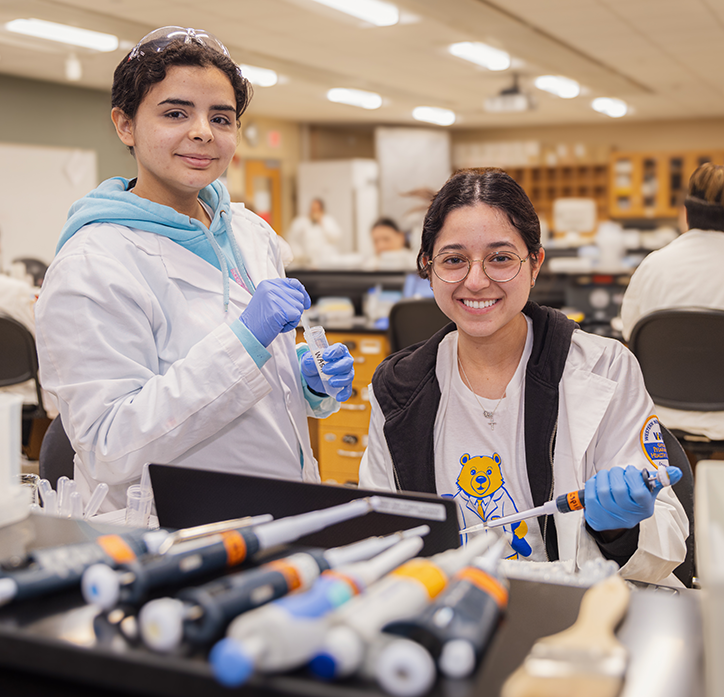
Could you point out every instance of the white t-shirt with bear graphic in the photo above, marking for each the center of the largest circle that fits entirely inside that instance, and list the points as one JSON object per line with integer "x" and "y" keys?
{"x": 485, "y": 468}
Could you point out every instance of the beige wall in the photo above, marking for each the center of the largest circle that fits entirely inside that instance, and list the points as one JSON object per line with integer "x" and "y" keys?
{"x": 286, "y": 152}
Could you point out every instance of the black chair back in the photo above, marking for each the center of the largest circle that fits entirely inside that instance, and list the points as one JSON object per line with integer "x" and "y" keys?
{"x": 413, "y": 320}
{"x": 684, "y": 490}
{"x": 19, "y": 359}
{"x": 56, "y": 454}
{"x": 681, "y": 354}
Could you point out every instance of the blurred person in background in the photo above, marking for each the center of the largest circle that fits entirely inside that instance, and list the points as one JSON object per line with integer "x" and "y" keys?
{"x": 314, "y": 237}
{"x": 685, "y": 273}
{"x": 392, "y": 250}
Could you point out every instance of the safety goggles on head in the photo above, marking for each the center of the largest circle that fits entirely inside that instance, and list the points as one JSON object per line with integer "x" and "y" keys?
{"x": 159, "y": 39}
{"x": 501, "y": 266}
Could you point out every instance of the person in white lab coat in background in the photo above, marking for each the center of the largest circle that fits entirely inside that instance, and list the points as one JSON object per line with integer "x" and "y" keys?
{"x": 165, "y": 324}
{"x": 685, "y": 273}
{"x": 315, "y": 237}
{"x": 511, "y": 404}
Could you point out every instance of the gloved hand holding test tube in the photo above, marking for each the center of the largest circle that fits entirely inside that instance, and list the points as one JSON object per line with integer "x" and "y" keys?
{"x": 617, "y": 498}
{"x": 337, "y": 382}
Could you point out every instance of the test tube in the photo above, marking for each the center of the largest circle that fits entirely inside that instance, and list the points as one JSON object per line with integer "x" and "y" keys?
{"x": 138, "y": 506}
{"x": 44, "y": 487}
{"x": 60, "y": 489}
{"x": 76, "y": 505}
{"x": 96, "y": 499}
{"x": 64, "y": 499}
{"x": 317, "y": 341}
{"x": 50, "y": 502}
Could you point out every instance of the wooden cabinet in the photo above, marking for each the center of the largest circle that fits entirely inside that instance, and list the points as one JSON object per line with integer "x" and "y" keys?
{"x": 545, "y": 184}
{"x": 340, "y": 440}
{"x": 653, "y": 184}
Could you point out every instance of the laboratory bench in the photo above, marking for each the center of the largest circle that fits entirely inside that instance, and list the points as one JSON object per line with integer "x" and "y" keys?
{"x": 57, "y": 646}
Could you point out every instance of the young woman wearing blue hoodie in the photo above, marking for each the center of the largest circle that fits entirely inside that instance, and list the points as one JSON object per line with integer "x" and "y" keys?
{"x": 165, "y": 323}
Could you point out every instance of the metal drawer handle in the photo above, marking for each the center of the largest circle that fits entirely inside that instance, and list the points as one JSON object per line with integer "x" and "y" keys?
{"x": 350, "y": 453}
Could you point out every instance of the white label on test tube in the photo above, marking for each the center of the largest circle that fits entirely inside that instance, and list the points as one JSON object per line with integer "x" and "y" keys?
{"x": 317, "y": 342}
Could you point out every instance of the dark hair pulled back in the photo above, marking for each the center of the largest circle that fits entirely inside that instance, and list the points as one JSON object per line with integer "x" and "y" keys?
{"x": 468, "y": 187}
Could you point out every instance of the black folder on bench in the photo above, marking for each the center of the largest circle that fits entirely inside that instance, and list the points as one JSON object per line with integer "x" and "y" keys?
{"x": 186, "y": 497}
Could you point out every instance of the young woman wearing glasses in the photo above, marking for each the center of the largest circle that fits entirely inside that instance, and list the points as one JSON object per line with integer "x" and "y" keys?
{"x": 165, "y": 325}
{"x": 512, "y": 405}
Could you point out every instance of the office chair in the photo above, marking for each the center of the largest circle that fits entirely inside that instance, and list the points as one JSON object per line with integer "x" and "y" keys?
{"x": 681, "y": 354}
{"x": 413, "y": 320}
{"x": 35, "y": 268}
{"x": 684, "y": 490}
{"x": 56, "y": 454}
{"x": 19, "y": 362}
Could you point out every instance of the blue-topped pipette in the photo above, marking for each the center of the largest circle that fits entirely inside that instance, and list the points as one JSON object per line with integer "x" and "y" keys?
{"x": 200, "y": 614}
{"x": 285, "y": 634}
{"x": 565, "y": 503}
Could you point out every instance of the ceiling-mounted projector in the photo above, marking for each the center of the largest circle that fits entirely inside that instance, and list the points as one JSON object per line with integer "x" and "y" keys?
{"x": 510, "y": 99}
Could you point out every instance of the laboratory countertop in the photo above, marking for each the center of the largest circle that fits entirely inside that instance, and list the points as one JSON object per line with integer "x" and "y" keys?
{"x": 58, "y": 646}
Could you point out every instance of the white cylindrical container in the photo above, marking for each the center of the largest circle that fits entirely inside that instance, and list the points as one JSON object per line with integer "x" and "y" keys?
{"x": 14, "y": 498}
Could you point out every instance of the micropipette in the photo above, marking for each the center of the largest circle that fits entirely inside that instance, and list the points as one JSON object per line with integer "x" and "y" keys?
{"x": 286, "y": 633}
{"x": 565, "y": 503}
{"x": 357, "y": 625}
{"x": 199, "y": 615}
{"x": 317, "y": 341}
{"x": 57, "y": 568}
{"x": 455, "y": 629}
{"x": 191, "y": 559}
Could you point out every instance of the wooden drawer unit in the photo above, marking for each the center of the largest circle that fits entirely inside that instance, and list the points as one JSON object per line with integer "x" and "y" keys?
{"x": 340, "y": 452}
{"x": 339, "y": 441}
{"x": 355, "y": 412}
{"x": 368, "y": 351}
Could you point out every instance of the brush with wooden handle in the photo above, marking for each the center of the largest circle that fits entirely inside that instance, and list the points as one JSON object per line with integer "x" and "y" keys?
{"x": 585, "y": 659}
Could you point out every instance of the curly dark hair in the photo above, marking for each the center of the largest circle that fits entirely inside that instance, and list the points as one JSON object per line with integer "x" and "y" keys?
{"x": 468, "y": 187}
{"x": 134, "y": 77}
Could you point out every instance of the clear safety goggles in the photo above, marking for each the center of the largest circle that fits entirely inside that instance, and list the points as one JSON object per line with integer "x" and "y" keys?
{"x": 159, "y": 39}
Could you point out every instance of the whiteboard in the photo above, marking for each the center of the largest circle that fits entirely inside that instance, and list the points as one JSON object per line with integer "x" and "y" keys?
{"x": 37, "y": 187}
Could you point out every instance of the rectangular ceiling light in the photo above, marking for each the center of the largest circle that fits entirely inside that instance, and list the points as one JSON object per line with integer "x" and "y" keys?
{"x": 263, "y": 77}
{"x": 381, "y": 14}
{"x": 433, "y": 114}
{"x": 610, "y": 106}
{"x": 481, "y": 54}
{"x": 360, "y": 98}
{"x": 562, "y": 87}
{"x": 64, "y": 34}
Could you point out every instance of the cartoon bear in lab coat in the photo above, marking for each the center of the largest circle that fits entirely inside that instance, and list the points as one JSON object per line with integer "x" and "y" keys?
{"x": 481, "y": 489}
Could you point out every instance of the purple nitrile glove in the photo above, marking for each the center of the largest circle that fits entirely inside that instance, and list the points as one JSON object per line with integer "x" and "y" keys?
{"x": 275, "y": 307}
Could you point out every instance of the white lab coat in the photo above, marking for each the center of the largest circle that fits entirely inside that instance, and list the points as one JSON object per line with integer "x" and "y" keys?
{"x": 134, "y": 342}
{"x": 312, "y": 242}
{"x": 602, "y": 408}
{"x": 685, "y": 273}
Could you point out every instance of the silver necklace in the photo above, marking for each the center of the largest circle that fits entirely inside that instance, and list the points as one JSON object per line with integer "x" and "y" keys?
{"x": 488, "y": 414}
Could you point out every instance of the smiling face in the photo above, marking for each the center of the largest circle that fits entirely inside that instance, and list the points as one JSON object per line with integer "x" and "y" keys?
{"x": 482, "y": 308}
{"x": 183, "y": 134}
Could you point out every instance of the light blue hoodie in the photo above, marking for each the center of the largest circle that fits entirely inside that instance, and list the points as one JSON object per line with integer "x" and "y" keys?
{"x": 111, "y": 202}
